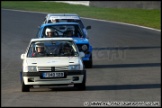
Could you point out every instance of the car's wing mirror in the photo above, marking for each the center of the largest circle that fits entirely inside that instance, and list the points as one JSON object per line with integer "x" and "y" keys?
{"x": 81, "y": 54}
{"x": 88, "y": 27}
{"x": 22, "y": 56}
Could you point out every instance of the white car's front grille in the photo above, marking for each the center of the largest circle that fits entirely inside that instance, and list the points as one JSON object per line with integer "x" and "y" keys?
{"x": 53, "y": 68}
{"x": 61, "y": 68}
{"x": 44, "y": 68}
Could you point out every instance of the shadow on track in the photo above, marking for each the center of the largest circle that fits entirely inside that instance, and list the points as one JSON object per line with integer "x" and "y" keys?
{"x": 122, "y": 87}
{"x": 103, "y": 87}
{"x": 127, "y": 65}
{"x": 128, "y": 48}
{"x": 54, "y": 89}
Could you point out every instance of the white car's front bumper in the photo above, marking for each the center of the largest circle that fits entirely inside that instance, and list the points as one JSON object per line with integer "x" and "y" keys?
{"x": 35, "y": 79}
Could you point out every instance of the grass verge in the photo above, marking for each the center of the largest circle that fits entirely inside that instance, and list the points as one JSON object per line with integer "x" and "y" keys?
{"x": 143, "y": 17}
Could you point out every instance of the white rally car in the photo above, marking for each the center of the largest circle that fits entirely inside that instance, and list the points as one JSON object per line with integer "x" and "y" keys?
{"x": 52, "y": 61}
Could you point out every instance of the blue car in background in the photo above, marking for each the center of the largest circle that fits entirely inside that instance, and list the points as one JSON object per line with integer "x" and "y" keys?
{"x": 69, "y": 29}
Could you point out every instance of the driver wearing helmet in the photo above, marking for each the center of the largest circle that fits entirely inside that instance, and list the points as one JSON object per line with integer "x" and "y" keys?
{"x": 70, "y": 20}
{"x": 39, "y": 50}
{"x": 67, "y": 50}
{"x": 69, "y": 33}
{"x": 50, "y": 32}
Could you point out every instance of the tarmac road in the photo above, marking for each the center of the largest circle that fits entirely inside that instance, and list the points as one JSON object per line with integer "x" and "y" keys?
{"x": 127, "y": 65}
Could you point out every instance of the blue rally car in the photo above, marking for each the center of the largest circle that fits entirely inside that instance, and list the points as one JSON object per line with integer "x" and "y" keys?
{"x": 69, "y": 29}
{"x": 65, "y": 17}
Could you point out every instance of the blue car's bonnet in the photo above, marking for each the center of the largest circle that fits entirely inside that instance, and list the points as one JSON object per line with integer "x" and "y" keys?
{"x": 81, "y": 40}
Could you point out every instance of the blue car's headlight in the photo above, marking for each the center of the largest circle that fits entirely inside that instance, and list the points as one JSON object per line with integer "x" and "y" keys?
{"x": 74, "y": 67}
{"x": 84, "y": 47}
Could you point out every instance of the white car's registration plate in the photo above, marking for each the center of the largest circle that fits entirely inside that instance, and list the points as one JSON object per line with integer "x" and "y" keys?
{"x": 53, "y": 74}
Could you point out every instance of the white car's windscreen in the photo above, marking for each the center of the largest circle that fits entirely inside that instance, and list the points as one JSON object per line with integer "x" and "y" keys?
{"x": 52, "y": 49}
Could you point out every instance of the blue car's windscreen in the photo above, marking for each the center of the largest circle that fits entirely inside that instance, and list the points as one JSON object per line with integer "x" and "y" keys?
{"x": 62, "y": 31}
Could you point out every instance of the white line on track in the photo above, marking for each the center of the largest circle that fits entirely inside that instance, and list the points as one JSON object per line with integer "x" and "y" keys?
{"x": 93, "y": 19}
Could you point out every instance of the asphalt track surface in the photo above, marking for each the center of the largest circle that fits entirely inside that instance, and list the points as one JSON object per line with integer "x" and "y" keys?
{"x": 127, "y": 64}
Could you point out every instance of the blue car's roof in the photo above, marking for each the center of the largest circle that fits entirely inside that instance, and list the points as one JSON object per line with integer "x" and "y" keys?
{"x": 60, "y": 23}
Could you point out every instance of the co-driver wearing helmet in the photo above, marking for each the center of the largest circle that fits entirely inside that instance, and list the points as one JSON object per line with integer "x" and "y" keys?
{"x": 54, "y": 20}
{"x": 67, "y": 50}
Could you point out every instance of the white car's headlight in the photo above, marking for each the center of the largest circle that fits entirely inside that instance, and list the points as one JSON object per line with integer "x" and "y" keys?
{"x": 74, "y": 67}
{"x": 32, "y": 68}
{"x": 84, "y": 47}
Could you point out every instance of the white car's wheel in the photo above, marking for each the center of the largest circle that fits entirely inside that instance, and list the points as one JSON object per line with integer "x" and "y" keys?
{"x": 81, "y": 86}
{"x": 25, "y": 88}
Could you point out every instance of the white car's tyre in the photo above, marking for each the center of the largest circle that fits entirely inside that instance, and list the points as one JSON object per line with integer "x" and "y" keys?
{"x": 81, "y": 86}
{"x": 25, "y": 88}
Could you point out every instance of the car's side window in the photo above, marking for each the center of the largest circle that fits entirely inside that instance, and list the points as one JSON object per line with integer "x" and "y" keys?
{"x": 45, "y": 20}
{"x": 38, "y": 33}
{"x": 44, "y": 32}
{"x": 80, "y": 22}
{"x": 78, "y": 32}
{"x": 31, "y": 50}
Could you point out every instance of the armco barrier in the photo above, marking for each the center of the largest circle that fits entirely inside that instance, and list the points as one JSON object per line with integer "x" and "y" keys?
{"x": 127, "y": 4}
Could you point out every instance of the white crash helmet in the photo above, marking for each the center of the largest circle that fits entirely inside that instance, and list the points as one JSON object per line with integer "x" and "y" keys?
{"x": 49, "y": 30}
{"x": 39, "y": 44}
{"x": 53, "y": 20}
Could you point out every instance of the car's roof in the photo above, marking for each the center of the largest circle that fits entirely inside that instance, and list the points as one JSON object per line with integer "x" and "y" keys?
{"x": 60, "y": 23}
{"x": 50, "y": 39}
{"x": 63, "y": 16}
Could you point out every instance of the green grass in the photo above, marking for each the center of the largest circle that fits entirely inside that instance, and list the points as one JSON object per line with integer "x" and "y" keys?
{"x": 148, "y": 18}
